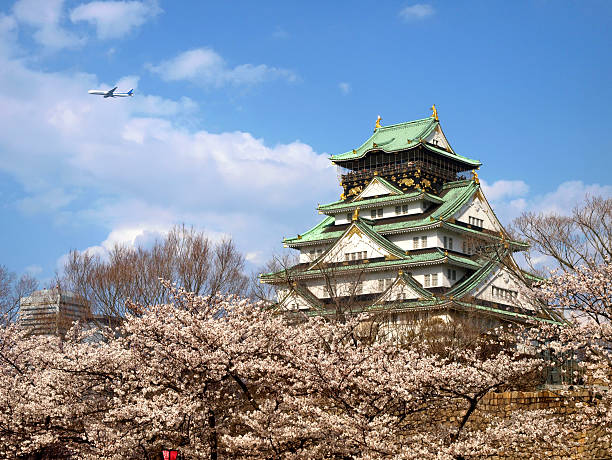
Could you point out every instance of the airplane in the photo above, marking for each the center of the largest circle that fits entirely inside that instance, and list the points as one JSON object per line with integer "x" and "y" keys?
{"x": 111, "y": 93}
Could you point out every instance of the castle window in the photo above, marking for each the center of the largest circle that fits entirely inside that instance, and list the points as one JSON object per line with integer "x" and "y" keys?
{"x": 415, "y": 242}
{"x": 423, "y": 241}
{"x": 374, "y": 213}
{"x": 448, "y": 243}
{"x": 349, "y": 216}
{"x": 475, "y": 221}
{"x": 385, "y": 284}
{"x": 399, "y": 210}
{"x": 501, "y": 293}
{"x": 427, "y": 281}
{"x": 434, "y": 279}
{"x": 355, "y": 255}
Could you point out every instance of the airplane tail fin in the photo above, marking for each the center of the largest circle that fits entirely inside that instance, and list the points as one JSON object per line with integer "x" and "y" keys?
{"x": 131, "y": 92}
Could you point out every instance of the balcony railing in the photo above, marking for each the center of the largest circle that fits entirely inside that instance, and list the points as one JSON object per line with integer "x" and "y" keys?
{"x": 391, "y": 169}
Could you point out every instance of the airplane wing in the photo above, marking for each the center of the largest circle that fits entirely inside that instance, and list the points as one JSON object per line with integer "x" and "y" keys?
{"x": 110, "y": 93}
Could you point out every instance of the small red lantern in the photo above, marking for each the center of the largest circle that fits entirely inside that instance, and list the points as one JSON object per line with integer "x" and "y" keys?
{"x": 170, "y": 454}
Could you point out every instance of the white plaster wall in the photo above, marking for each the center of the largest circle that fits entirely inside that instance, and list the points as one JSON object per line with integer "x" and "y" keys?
{"x": 457, "y": 240}
{"x": 416, "y": 207}
{"x": 344, "y": 285}
{"x": 355, "y": 243}
{"x": 290, "y": 301}
{"x": 478, "y": 209}
{"x": 405, "y": 240}
{"x": 341, "y": 218}
{"x": 375, "y": 189}
{"x": 305, "y": 256}
{"x": 419, "y": 274}
{"x": 505, "y": 280}
{"x": 438, "y": 138}
{"x": 448, "y": 282}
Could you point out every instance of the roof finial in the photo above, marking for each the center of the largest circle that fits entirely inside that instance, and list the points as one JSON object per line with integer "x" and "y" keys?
{"x": 435, "y": 112}
{"x": 355, "y": 214}
{"x": 475, "y": 176}
{"x": 377, "y": 122}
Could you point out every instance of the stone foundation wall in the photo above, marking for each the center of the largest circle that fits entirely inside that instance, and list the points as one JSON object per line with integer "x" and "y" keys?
{"x": 588, "y": 445}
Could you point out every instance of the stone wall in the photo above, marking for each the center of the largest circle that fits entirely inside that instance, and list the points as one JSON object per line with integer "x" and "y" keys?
{"x": 587, "y": 445}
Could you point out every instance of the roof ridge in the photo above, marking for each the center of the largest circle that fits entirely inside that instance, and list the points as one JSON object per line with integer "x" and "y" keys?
{"x": 403, "y": 123}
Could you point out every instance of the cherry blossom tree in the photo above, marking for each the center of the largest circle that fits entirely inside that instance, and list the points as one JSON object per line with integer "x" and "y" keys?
{"x": 222, "y": 377}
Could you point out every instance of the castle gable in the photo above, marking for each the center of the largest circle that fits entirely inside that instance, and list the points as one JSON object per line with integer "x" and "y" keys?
{"x": 478, "y": 213}
{"x": 405, "y": 287}
{"x": 437, "y": 138}
{"x": 378, "y": 187}
{"x": 360, "y": 242}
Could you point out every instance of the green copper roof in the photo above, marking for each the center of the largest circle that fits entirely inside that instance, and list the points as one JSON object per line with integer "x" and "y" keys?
{"x": 391, "y": 138}
{"x": 402, "y": 136}
{"x": 434, "y": 257}
{"x": 460, "y": 289}
{"x": 343, "y": 205}
{"x": 445, "y": 303}
{"x": 455, "y": 195}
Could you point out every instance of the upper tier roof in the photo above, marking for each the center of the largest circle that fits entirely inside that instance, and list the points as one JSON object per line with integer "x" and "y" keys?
{"x": 402, "y": 136}
{"x": 454, "y": 195}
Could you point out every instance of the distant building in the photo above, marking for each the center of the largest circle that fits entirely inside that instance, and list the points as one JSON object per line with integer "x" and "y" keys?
{"x": 52, "y": 311}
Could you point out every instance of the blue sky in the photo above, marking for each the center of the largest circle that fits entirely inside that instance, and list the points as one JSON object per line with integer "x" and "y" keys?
{"x": 239, "y": 104}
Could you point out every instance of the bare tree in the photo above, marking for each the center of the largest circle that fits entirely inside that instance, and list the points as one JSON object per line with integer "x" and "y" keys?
{"x": 185, "y": 256}
{"x": 12, "y": 289}
{"x": 582, "y": 238}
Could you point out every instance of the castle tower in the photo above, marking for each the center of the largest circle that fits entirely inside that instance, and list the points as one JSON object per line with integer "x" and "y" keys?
{"x": 409, "y": 235}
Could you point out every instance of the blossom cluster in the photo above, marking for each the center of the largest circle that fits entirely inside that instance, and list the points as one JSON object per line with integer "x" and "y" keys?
{"x": 224, "y": 377}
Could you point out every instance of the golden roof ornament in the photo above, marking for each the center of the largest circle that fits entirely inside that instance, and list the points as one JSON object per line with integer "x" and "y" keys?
{"x": 434, "y": 115}
{"x": 475, "y": 176}
{"x": 355, "y": 214}
{"x": 377, "y": 122}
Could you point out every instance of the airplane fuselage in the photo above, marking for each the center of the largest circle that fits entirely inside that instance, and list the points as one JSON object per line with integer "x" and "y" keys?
{"x": 110, "y": 93}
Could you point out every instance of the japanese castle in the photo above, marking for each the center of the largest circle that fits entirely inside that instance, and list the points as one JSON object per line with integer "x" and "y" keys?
{"x": 410, "y": 235}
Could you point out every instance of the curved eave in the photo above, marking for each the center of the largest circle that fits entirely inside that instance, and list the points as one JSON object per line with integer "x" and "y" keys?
{"x": 371, "y": 267}
{"x": 429, "y": 124}
{"x": 350, "y": 156}
{"x": 342, "y": 206}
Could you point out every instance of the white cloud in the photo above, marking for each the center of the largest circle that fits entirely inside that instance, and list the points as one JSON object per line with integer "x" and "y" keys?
{"x": 504, "y": 189}
{"x": 567, "y": 196}
{"x": 8, "y": 34}
{"x": 510, "y": 198}
{"x": 126, "y": 166}
{"x": 417, "y": 11}
{"x": 345, "y": 87}
{"x": 205, "y": 67}
{"x": 114, "y": 19}
{"x": 45, "y": 17}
